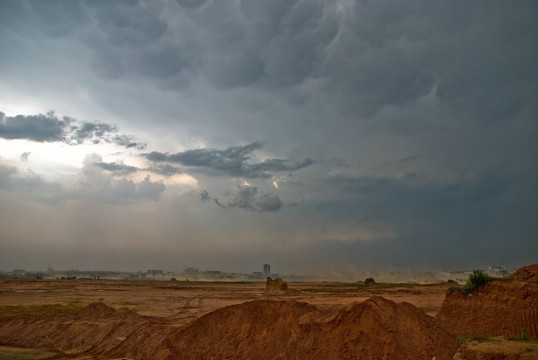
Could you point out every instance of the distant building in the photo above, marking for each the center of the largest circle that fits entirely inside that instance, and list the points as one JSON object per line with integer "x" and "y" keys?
{"x": 190, "y": 271}
{"x": 155, "y": 274}
{"x": 266, "y": 269}
{"x": 19, "y": 272}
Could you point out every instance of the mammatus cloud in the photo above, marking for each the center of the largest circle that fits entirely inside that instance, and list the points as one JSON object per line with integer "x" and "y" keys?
{"x": 247, "y": 197}
{"x": 49, "y": 128}
{"x": 232, "y": 161}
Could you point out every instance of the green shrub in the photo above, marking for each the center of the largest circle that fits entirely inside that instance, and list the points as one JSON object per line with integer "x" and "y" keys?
{"x": 369, "y": 281}
{"x": 476, "y": 279}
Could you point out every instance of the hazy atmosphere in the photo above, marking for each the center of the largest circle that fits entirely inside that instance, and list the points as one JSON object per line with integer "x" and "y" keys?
{"x": 317, "y": 136}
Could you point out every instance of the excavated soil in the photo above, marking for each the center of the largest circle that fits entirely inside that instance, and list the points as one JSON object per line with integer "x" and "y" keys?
{"x": 291, "y": 330}
{"x": 260, "y": 329}
{"x": 498, "y": 308}
{"x": 527, "y": 273}
{"x": 313, "y": 321}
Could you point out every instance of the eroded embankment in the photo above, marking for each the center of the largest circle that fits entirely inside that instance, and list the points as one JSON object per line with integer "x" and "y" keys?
{"x": 498, "y": 308}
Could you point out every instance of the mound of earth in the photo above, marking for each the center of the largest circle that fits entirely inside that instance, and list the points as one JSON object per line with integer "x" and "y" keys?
{"x": 527, "y": 273}
{"x": 275, "y": 286}
{"x": 497, "y": 308}
{"x": 96, "y": 328}
{"x": 374, "y": 329}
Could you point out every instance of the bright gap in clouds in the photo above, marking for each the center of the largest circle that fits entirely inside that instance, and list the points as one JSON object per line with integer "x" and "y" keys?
{"x": 57, "y": 160}
{"x": 62, "y": 162}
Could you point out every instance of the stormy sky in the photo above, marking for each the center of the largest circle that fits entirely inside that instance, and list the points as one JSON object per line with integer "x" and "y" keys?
{"x": 317, "y": 136}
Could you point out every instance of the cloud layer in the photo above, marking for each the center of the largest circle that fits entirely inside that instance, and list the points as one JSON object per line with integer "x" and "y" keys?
{"x": 296, "y": 132}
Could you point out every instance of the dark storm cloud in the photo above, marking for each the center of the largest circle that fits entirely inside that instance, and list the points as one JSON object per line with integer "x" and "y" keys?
{"x": 42, "y": 128}
{"x": 453, "y": 223}
{"x": 442, "y": 91}
{"x": 418, "y": 194}
{"x": 232, "y": 161}
{"x": 49, "y": 128}
{"x": 366, "y": 54}
{"x": 248, "y": 197}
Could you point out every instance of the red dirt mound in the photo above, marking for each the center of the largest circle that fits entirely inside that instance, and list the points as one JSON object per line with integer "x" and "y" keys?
{"x": 95, "y": 328}
{"x": 498, "y": 308}
{"x": 375, "y": 329}
{"x": 527, "y": 273}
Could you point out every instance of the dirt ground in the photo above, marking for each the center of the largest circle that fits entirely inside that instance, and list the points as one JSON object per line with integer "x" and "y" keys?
{"x": 112, "y": 319}
{"x": 186, "y": 301}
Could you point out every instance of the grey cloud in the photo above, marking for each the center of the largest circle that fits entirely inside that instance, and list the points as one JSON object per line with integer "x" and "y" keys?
{"x": 279, "y": 165}
{"x": 408, "y": 159}
{"x": 24, "y": 156}
{"x": 117, "y": 168}
{"x": 248, "y": 197}
{"x": 29, "y": 185}
{"x": 269, "y": 202}
{"x": 368, "y": 54}
{"x": 92, "y": 184}
{"x": 204, "y": 195}
{"x": 454, "y": 222}
{"x": 191, "y": 3}
{"x": 165, "y": 169}
{"x": 415, "y": 198}
{"x": 232, "y": 160}
{"x": 127, "y": 141}
{"x": 42, "y": 128}
{"x": 93, "y": 132}
{"x": 244, "y": 198}
{"x": 49, "y": 128}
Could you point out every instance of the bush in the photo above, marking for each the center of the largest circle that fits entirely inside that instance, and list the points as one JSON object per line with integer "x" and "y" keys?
{"x": 476, "y": 279}
{"x": 369, "y": 281}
